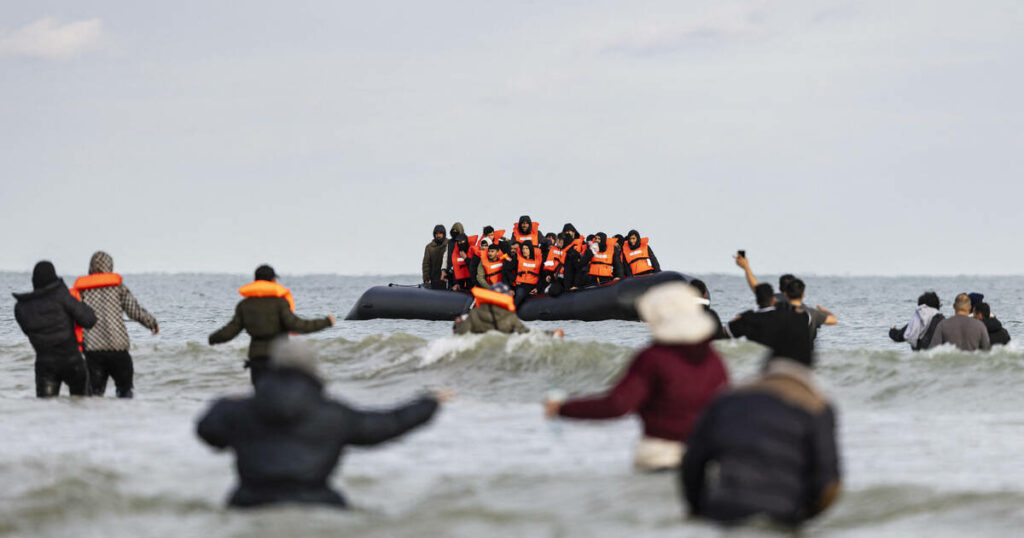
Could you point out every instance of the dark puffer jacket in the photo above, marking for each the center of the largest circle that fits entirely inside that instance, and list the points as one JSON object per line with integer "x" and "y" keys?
{"x": 997, "y": 334}
{"x": 773, "y": 449}
{"x": 265, "y": 319}
{"x": 109, "y": 333}
{"x": 48, "y": 316}
{"x": 288, "y": 437}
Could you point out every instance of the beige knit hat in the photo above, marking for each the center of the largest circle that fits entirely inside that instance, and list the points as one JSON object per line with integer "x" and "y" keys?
{"x": 675, "y": 314}
{"x": 295, "y": 355}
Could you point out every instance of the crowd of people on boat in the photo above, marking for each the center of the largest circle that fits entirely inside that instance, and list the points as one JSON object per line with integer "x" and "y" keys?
{"x": 530, "y": 261}
{"x": 767, "y": 448}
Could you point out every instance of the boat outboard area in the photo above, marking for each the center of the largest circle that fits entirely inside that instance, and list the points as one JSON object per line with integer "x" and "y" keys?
{"x": 615, "y": 300}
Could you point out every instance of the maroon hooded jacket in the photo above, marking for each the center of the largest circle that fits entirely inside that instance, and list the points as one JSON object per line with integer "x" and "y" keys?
{"x": 668, "y": 386}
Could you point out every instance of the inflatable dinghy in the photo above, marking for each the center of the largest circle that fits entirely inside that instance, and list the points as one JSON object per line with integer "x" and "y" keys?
{"x": 611, "y": 301}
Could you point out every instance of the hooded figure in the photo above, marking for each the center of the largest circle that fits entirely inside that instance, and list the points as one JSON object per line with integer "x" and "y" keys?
{"x": 637, "y": 256}
{"x": 288, "y": 436}
{"x": 48, "y": 315}
{"x": 919, "y": 330}
{"x": 668, "y": 384}
{"x": 446, "y": 268}
{"x": 433, "y": 259}
{"x": 106, "y": 344}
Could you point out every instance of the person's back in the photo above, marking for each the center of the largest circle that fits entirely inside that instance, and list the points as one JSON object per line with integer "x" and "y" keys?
{"x": 106, "y": 344}
{"x": 773, "y": 447}
{"x": 997, "y": 334}
{"x": 288, "y": 436}
{"x": 667, "y": 385}
{"x": 490, "y": 317}
{"x": 966, "y": 333}
{"x": 48, "y": 315}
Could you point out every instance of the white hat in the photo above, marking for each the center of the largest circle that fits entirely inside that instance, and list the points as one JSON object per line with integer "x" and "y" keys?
{"x": 675, "y": 314}
{"x": 295, "y": 355}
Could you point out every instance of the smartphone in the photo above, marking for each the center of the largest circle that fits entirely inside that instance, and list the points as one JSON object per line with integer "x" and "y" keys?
{"x": 741, "y": 253}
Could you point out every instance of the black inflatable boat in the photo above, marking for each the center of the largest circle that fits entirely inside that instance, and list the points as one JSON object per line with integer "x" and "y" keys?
{"x": 612, "y": 301}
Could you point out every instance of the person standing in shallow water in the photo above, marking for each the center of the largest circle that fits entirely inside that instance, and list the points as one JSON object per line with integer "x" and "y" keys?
{"x": 106, "y": 343}
{"x": 961, "y": 330}
{"x": 289, "y": 436}
{"x": 668, "y": 384}
{"x": 267, "y": 314}
{"x": 48, "y": 315}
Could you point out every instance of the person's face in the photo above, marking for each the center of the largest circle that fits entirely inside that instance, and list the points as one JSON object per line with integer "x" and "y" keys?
{"x": 634, "y": 240}
{"x": 439, "y": 236}
{"x": 524, "y": 228}
{"x": 524, "y": 251}
{"x": 492, "y": 255}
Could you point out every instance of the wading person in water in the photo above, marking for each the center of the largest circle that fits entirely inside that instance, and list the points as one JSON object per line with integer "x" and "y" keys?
{"x": 267, "y": 314}
{"x": 48, "y": 315}
{"x": 668, "y": 384}
{"x": 106, "y": 344}
{"x": 288, "y": 436}
{"x": 494, "y": 310}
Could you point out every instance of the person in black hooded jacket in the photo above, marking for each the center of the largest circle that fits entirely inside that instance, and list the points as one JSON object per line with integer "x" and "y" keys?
{"x": 997, "y": 334}
{"x": 433, "y": 260}
{"x": 289, "y": 436}
{"x": 48, "y": 315}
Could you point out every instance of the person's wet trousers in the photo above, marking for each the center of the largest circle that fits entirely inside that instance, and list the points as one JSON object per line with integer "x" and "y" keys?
{"x": 52, "y": 371}
{"x": 106, "y": 364}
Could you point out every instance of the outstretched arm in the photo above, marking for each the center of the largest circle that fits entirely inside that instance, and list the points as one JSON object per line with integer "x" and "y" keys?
{"x": 134, "y": 310}
{"x": 228, "y": 331}
{"x": 628, "y": 395}
{"x": 830, "y": 318}
{"x": 296, "y": 324}
{"x": 373, "y": 427}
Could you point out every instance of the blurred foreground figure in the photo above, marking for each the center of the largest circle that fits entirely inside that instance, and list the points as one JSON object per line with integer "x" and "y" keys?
{"x": 106, "y": 344}
{"x": 768, "y": 449}
{"x": 288, "y": 436}
{"x": 48, "y": 315}
{"x": 668, "y": 384}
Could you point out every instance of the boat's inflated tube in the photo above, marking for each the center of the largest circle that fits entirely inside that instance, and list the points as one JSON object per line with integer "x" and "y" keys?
{"x": 612, "y": 301}
{"x": 410, "y": 302}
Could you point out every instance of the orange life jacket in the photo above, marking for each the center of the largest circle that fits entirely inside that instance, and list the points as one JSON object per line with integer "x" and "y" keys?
{"x": 638, "y": 259}
{"x": 601, "y": 264}
{"x": 460, "y": 263}
{"x": 492, "y": 270}
{"x": 484, "y": 296}
{"x": 266, "y": 288}
{"x": 91, "y": 282}
{"x": 533, "y": 236}
{"x": 528, "y": 271}
{"x": 579, "y": 245}
{"x": 556, "y": 261}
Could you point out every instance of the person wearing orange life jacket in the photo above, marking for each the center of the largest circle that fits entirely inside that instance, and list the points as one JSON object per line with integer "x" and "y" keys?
{"x": 460, "y": 262}
{"x": 528, "y": 263}
{"x": 553, "y": 276}
{"x": 495, "y": 268}
{"x": 604, "y": 260}
{"x": 638, "y": 258}
{"x": 267, "y": 314}
{"x": 526, "y": 230}
{"x": 446, "y": 269}
{"x": 493, "y": 310}
{"x": 106, "y": 344}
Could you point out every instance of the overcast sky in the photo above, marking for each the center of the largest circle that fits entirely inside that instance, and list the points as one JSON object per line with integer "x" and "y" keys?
{"x": 330, "y": 137}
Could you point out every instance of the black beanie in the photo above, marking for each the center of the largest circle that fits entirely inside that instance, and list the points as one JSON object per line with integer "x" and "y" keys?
{"x": 265, "y": 272}
{"x": 43, "y": 275}
{"x": 439, "y": 229}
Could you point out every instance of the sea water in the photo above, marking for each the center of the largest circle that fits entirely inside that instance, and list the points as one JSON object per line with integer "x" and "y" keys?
{"x": 931, "y": 442}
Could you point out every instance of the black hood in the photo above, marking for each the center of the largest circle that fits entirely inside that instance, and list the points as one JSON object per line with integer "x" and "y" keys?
{"x": 525, "y": 220}
{"x": 638, "y": 238}
{"x": 286, "y": 395}
{"x": 602, "y": 241}
{"x": 43, "y": 274}
{"x": 570, "y": 228}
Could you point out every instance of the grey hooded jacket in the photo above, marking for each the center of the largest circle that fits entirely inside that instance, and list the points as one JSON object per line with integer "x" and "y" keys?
{"x": 109, "y": 333}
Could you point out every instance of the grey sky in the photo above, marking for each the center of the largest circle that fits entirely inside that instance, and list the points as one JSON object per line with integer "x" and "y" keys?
{"x": 822, "y": 137}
